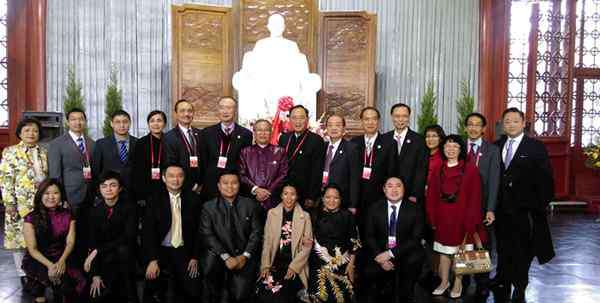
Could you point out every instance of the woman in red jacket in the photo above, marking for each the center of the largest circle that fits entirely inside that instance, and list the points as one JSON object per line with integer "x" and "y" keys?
{"x": 453, "y": 207}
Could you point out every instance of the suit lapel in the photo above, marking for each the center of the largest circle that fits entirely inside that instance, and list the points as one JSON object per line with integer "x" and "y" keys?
{"x": 405, "y": 144}
{"x": 339, "y": 153}
{"x": 518, "y": 152}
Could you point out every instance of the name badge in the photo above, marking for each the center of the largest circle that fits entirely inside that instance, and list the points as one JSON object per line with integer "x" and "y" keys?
{"x": 366, "y": 174}
{"x": 155, "y": 173}
{"x": 391, "y": 242}
{"x": 87, "y": 173}
{"x": 193, "y": 161}
{"x": 222, "y": 162}
{"x": 325, "y": 177}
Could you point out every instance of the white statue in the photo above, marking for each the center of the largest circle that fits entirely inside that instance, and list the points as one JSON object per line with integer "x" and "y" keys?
{"x": 275, "y": 68}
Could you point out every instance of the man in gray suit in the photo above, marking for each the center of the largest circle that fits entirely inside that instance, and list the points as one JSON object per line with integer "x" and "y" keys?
{"x": 70, "y": 158}
{"x": 486, "y": 157}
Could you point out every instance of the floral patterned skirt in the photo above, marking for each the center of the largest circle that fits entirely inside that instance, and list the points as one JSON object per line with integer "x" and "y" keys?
{"x": 275, "y": 289}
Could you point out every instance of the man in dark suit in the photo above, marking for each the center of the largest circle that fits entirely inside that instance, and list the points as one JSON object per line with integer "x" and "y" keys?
{"x": 411, "y": 160}
{"x": 342, "y": 163}
{"x": 112, "y": 226}
{"x": 231, "y": 230}
{"x": 170, "y": 240}
{"x": 70, "y": 159}
{"x": 182, "y": 146}
{"x": 376, "y": 159}
{"x": 526, "y": 188}
{"x": 305, "y": 155}
{"x": 393, "y": 236}
{"x": 486, "y": 157}
{"x": 223, "y": 143}
{"x": 115, "y": 152}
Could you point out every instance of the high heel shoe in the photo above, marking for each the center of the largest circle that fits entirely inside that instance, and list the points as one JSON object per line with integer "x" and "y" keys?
{"x": 440, "y": 290}
{"x": 456, "y": 295}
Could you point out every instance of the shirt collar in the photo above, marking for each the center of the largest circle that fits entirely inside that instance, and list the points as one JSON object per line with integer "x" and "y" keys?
{"x": 402, "y": 134}
{"x": 174, "y": 196}
{"x": 372, "y": 139}
{"x": 517, "y": 139}
{"x": 183, "y": 128}
{"x": 477, "y": 142}
{"x": 396, "y": 204}
{"x": 336, "y": 144}
{"x": 75, "y": 137}
{"x": 224, "y": 128}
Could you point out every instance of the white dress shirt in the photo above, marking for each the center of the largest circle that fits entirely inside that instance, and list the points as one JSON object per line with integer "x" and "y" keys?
{"x": 515, "y": 145}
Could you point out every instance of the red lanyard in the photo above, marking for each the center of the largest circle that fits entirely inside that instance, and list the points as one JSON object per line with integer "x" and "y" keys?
{"x": 287, "y": 147}
{"x": 221, "y": 148}
{"x": 152, "y": 153}
{"x": 369, "y": 157}
{"x": 187, "y": 144}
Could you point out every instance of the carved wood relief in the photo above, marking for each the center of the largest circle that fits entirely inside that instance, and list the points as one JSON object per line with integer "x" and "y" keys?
{"x": 202, "y": 67}
{"x": 347, "y": 66}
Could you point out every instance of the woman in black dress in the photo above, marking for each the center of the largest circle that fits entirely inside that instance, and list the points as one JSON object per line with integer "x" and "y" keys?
{"x": 286, "y": 248}
{"x": 336, "y": 243}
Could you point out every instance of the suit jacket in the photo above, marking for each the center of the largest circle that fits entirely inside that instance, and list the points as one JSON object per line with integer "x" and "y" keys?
{"x": 345, "y": 171}
{"x": 305, "y": 167}
{"x": 264, "y": 167}
{"x": 157, "y": 224}
{"x": 178, "y": 154}
{"x": 220, "y": 235}
{"x": 488, "y": 161}
{"x": 65, "y": 163}
{"x": 527, "y": 186}
{"x": 411, "y": 163}
{"x": 301, "y": 229}
{"x": 371, "y": 190}
{"x": 106, "y": 158}
{"x": 409, "y": 229}
{"x": 210, "y": 152}
{"x": 143, "y": 185}
{"x": 110, "y": 235}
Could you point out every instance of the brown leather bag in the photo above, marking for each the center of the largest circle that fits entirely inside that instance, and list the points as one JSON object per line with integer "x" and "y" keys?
{"x": 472, "y": 262}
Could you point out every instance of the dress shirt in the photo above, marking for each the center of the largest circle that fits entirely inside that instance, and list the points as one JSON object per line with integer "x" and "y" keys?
{"x": 390, "y": 211}
{"x": 515, "y": 145}
{"x": 167, "y": 240}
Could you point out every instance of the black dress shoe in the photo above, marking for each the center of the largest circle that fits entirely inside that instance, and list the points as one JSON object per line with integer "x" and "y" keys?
{"x": 518, "y": 295}
{"x": 25, "y": 284}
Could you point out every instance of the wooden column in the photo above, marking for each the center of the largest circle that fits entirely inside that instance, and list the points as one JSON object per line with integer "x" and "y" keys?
{"x": 26, "y": 59}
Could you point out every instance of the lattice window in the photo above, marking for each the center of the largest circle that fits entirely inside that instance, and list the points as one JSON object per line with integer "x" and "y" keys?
{"x": 518, "y": 52}
{"x": 551, "y": 99}
{"x": 590, "y": 122}
{"x": 3, "y": 65}
{"x": 588, "y": 53}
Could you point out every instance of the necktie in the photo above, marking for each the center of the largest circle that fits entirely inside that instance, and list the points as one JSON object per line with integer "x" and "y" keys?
{"x": 110, "y": 212}
{"x": 328, "y": 157}
{"x": 509, "y": 153}
{"x": 228, "y": 130}
{"x": 399, "y": 142}
{"x": 369, "y": 146}
{"x": 191, "y": 138}
{"x": 80, "y": 145}
{"x": 176, "y": 233}
{"x": 123, "y": 151}
{"x": 392, "y": 226}
{"x": 472, "y": 151}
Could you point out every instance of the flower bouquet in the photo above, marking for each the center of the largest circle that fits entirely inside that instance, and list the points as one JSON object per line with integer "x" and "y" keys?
{"x": 592, "y": 153}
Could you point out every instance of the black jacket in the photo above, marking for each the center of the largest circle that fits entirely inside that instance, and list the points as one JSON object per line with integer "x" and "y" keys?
{"x": 217, "y": 234}
{"x": 382, "y": 167}
{"x": 177, "y": 153}
{"x": 157, "y": 224}
{"x": 527, "y": 185}
{"x": 411, "y": 163}
{"x": 143, "y": 185}
{"x": 106, "y": 158}
{"x": 345, "y": 171}
{"x": 210, "y": 151}
{"x": 409, "y": 229}
{"x": 305, "y": 167}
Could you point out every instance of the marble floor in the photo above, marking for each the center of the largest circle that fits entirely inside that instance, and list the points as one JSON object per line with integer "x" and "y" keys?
{"x": 572, "y": 277}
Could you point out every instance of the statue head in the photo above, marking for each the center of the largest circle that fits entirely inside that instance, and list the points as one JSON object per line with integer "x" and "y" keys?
{"x": 276, "y": 25}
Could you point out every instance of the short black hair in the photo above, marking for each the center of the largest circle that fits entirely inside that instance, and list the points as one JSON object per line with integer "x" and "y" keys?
{"x": 110, "y": 174}
{"x": 28, "y": 121}
{"x": 513, "y": 110}
{"x": 362, "y": 112}
{"x": 164, "y": 170}
{"x": 228, "y": 172}
{"x": 398, "y": 105}
{"x": 395, "y": 177}
{"x": 437, "y": 129}
{"x": 478, "y": 115}
{"x": 332, "y": 186}
{"x": 75, "y": 110}
{"x": 182, "y": 101}
{"x": 262, "y": 121}
{"x": 120, "y": 112}
{"x": 156, "y": 112}
{"x": 454, "y": 138}
{"x": 297, "y": 107}
{"x": 336, "y": 115}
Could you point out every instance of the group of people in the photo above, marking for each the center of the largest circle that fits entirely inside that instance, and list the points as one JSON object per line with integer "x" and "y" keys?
{"x": 222, "y": 215}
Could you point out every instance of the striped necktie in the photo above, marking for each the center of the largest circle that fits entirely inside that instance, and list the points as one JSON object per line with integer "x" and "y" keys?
{"x": 123, "y": 151}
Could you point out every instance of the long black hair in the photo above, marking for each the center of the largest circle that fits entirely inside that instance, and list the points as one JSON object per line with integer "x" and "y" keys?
{"x": 40, "y": 218}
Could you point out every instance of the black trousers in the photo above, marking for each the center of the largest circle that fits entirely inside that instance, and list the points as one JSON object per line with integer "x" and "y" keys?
{"x": 173, "y": 264}
{"x": 117, "y": 273}
{"x": 221, "y": 285}
{"x": 393, "y": 286}
{"x": 514, "y": 233}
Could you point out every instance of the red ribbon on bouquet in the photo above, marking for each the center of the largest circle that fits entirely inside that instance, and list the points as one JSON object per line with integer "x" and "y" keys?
{"x": 281, "y": 124}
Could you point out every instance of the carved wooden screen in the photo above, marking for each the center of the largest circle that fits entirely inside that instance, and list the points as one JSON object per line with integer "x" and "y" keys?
{"x": 201, "y": 69}
{"x": 300, "y": 22}
{"x": 347, "y": 64}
